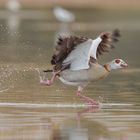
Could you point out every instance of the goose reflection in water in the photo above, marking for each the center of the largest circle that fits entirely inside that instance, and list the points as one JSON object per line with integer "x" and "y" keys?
{"x": 54, "y": 126}
{"x": 83, "y": 129}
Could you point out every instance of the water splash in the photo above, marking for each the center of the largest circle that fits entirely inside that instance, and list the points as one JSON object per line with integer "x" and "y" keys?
{"x": 11, "y": 75}
{"x": 6, "y": 76}
{"x": 42, "y": 77}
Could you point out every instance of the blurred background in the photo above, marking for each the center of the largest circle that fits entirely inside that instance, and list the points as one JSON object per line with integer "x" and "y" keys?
{"x": 30, "y": 27}
{"x": 28, "y": 34}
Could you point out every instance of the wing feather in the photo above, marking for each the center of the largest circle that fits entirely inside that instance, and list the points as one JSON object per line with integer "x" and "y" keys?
{"x": 108, "y": 40}
{"x": 79, "y": 58}
{"x": 75, "y": 52}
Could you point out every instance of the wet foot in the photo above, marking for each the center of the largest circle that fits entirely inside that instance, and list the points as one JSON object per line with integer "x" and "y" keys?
{"x": 89, "y": 101}
{"x": 46, "y": 82}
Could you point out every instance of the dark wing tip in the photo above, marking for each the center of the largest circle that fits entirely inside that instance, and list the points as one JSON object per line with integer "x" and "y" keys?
{"x": 116, "y": 33}
{"x": 108, "y": 40}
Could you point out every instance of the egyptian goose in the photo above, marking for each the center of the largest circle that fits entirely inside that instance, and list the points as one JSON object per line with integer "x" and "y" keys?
{"x": 75, "y": 61}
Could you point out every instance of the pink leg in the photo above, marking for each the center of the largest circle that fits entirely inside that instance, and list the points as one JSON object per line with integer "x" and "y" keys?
{"x": 90, "y": 109}
{"x": 87, "y": 100}
{"x": 49, "y": 82}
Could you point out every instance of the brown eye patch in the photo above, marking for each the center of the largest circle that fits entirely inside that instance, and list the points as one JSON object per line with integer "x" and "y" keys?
{"x": 117, "y": 61}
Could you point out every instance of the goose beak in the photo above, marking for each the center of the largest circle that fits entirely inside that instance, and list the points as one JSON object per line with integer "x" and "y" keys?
{"x": 125, "y": 65}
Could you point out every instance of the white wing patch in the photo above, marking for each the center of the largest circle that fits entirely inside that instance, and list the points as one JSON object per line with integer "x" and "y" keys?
{"x": 79, "y": 57}
{"x": 94, "y": 46}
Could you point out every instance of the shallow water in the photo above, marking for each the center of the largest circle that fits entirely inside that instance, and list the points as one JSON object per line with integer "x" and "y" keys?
{"x": 30, "y": 111}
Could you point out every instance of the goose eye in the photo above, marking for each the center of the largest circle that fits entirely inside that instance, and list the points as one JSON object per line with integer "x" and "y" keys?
{"x": 117, "y": 61}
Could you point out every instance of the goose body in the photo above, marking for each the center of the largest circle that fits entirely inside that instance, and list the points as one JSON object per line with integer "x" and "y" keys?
{"x": 75, "y": 60}
{"x": 72, "y": 77}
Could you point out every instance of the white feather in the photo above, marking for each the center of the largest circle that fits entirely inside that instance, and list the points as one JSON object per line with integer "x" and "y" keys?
{"x": 94, "y": 46}
{"x": 79, "y": 57}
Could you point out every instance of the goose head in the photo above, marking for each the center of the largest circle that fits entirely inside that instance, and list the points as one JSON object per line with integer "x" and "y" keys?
{"x": 117, "y": 64}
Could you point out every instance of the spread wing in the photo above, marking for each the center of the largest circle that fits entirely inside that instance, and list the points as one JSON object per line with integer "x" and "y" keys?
{"x": 79, "y": 58}
{"x": 75, "y": 53}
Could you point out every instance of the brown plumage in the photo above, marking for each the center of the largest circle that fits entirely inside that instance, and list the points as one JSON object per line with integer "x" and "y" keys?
{"x": 108, "y": 38}
{"x": 66, "y": 44}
